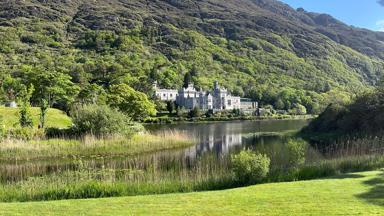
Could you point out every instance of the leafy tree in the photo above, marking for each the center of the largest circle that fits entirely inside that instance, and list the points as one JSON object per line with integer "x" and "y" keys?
{"x": 44, "y": 106}
{"x": 187, "y": 79}
{"x": 55, "y": 86}
{"x": 133, "y": 103}
{"x": 91, "y": 94}
{"x": 298, "y": 109}
{"x": 25, "y": 117}
{"x": 171, "y": 106}
{"x": 279, "y": 104}
{"x": 11, "y": 88}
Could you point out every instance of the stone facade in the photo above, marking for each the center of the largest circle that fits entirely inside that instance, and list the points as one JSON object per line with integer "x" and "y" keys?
{"x": 165, "y": 94}
{"x": 189, "y": 98}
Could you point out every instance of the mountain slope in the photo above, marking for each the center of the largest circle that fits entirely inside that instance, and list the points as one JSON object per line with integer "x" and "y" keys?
{"x": 257, "y": 48}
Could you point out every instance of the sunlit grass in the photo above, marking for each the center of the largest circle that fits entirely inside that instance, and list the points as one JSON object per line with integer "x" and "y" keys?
{"x": 55, "y": 118}
{"x": 12, "y": 149}
{"x": 351, "y": 194}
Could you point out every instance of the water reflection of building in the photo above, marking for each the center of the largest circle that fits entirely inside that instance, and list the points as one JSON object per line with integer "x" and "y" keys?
{"x": 215, "y": 138}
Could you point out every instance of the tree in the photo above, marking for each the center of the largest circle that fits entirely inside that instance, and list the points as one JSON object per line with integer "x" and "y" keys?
{"x": 298, "y": 109}
{"x": 57, "y": 87}
{"x": 171, "y": 106}
{"x": 279, "y": 104}
{"x": 25, "y": 117}
{"x": 194, "y": 71}
{"x": 187, "y": 79}
{"x": 43, "y": 112}
{"x": 134, "y": 104}
{"x": 194, "y": 113}
{"x": 90, "y": 94}
{"x": 11, "y": 88}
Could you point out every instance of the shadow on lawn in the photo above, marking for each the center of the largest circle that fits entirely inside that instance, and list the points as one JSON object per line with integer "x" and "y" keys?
{"x": 376, "y": 194}
{"x": 345, "y": 176}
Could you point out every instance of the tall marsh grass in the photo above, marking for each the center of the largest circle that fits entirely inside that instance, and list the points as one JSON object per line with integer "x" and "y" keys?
{"x": 114, "y": 167}
{"x": 13, "y": 149}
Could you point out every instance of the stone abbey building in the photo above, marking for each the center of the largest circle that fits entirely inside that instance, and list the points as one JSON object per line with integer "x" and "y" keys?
{"x": 218, "y": 99}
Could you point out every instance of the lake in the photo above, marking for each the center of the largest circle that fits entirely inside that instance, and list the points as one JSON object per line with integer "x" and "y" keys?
{"x": 215, "y": 142}
{"x": 224, "y": 137}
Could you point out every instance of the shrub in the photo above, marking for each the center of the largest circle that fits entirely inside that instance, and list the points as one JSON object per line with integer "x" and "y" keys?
{"x": 25, "y": 117}
{"x": 24, "y": 133}
{"x": 102, "y": 121}
{"x": 250, "y": 167}
{"x": 296, "y": 151}
{"x": 194, "y": 113}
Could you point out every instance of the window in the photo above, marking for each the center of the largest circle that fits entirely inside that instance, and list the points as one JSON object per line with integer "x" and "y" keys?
{"x": 229, "y": 102}
{"x": 164, "y": 95}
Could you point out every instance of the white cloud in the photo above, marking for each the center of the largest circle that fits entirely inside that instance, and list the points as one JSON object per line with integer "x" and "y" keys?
{"x": 380, "y": 25}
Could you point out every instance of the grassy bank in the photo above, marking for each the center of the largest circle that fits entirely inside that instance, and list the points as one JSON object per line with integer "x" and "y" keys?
{"x": 11, "y": 149}
{"x": 159, "y": 177}
{"x": 55, "y": 118}
{"x": 351, "y": 194}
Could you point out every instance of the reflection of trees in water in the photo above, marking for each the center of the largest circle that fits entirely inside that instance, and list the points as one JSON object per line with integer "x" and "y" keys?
{"x": 217, "y": 142}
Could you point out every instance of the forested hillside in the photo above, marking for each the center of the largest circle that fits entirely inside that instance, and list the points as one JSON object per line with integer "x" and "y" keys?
{"x": 73, "y": 50}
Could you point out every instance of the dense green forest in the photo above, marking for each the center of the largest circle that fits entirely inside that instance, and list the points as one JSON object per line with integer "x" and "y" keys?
{"x": 365, "y": 115}
{"x": 80, "y": 51}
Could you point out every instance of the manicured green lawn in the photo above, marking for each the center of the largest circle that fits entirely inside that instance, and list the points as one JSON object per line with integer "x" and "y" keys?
{"x": 55, "y": 118}
{"x": 353, "y": 194}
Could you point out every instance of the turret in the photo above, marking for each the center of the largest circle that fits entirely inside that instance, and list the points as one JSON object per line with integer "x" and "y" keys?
{"x": 216, "y": 85}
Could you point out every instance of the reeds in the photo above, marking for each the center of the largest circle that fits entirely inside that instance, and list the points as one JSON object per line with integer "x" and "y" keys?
{"x": 125, "y": 171}
{"x": 12, "y": 149}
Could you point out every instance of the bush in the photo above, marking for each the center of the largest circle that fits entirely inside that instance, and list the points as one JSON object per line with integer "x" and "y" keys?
{"x": 102, "y": 121}
{"x": 194, "y": 113}
{"x": 24, "y": 133}
{"x": 297, "y": 149}
{"x": 250, "y": 167}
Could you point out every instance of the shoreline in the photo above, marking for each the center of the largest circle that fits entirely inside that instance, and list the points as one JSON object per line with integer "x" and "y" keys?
{"x": 180, "y": 120}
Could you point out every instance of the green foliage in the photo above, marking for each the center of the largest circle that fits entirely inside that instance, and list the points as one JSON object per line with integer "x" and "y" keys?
{"x": 363, "y": 116}
{"x": 171, "y": 106}
{"x": 54, "y": 85}
{"x": 298, "y": 109}
{"x": 100, "y": 121}
{"x": 24, "y": 133}
{"x": 194, "y": 113}
{"x": 25, "y": 118}
{"x": 92, "y": 94}
{"x": 44, "y": 106}
{"x": 297, "y": 149}
{"x": 276, "y": 63}
{"x": 2, "y": 128}
{"x": 250, "y": 167}
{"x": 134, "y": 104}
{"x": 187, "y": 80}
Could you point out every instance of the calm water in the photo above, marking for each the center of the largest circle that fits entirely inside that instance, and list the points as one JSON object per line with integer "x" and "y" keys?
{"x": 224, "y": 137}
{"x": 215, "y": 143}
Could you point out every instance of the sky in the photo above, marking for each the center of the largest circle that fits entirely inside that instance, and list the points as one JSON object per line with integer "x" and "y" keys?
{"x": 360, "y": 13}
